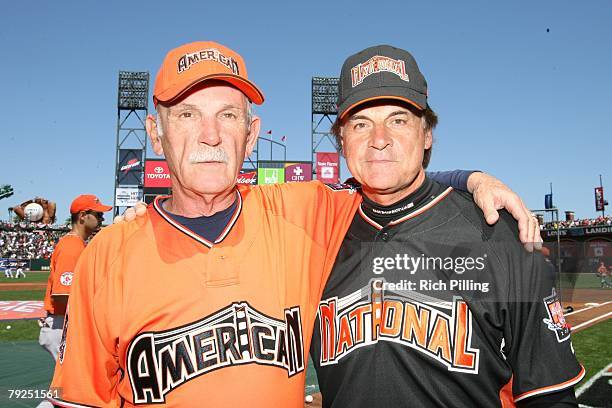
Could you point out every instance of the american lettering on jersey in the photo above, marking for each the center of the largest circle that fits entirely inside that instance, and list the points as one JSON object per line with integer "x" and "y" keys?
{"x": 158, "y": 362}
{"x": 357, "y": 320}
{"x": 556, "y": 320}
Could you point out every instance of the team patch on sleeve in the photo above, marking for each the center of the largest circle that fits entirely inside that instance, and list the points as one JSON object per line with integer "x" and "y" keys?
{"x": 340, "y": 186}
{"x": 66, "y": 278}
{"x": 556, "y": 321}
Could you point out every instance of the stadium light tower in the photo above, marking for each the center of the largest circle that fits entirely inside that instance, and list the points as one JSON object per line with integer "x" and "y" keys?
{"x": 132, "y": 109}
{"x": 324, "y": 111}
{"x": 6, "y": 191}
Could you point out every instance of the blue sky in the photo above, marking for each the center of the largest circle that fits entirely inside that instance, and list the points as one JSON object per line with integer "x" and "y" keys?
{"x": 528, "y": 105}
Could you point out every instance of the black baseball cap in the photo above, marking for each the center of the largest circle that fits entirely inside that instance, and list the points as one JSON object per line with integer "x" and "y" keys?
{"x": 380, "y": 72}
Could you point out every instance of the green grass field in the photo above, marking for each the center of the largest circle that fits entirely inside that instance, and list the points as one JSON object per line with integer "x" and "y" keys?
{"x": 31, "y": 277}
{"x": 22, "y": 294}
{"x": 18, "y": 330}
{"x": 592, "y": 347}
{"x": 580, "y": 281}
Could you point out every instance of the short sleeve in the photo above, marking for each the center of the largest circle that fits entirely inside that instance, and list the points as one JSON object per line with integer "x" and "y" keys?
{"x": 87, "y": 370}
{"x": 64, "y": 266}
{"x": 540, "y": 350}
{"x": 323, "y": 211}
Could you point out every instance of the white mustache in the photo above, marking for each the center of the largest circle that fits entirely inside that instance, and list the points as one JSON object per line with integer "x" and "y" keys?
{"x": 208, "y": 154}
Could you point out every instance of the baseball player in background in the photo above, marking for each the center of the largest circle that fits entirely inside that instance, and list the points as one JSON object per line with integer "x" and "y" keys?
{"x": 13, "y": 266}
{"x": 427, "y": 305}
{"x": 210, "y": 297}
{"x": 86, "y": 213}
{"x": 20, "y": 269}
{"x": 8, "y": 272}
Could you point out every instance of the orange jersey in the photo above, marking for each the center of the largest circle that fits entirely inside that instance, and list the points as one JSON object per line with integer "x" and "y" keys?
{"x": 159, "y": 315}
{"x": 63, "y": 261}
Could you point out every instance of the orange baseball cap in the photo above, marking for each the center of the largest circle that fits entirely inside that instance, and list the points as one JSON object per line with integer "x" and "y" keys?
{"x": 191, "y": 64}
{"x": 88, "y": 202}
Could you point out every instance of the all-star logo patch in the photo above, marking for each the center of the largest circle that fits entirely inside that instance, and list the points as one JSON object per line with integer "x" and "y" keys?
{"x": 207, "y": 54}
{"x": 378, "y": 64}
{"x": 66, "y": 278}
{"x": 556, "y": 321}
{"x": 158, "y": 362}
{"x": 340, "y": 187}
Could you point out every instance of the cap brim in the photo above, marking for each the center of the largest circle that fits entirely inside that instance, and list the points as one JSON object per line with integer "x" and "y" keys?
{"x": 403, "y": 94}
{"x": 101, "y": 208}
{"x": 244, "y": 85}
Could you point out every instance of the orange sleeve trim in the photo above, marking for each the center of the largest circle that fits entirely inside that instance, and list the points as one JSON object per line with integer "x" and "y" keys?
{"x": 552, "y": 388}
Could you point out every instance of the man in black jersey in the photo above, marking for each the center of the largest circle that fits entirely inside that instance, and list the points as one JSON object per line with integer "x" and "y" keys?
{"x": 427, "y": 305}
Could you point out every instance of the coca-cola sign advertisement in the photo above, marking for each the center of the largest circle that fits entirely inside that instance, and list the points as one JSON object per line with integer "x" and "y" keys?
{"x": 247, "y": 177}
{"x": 157, "y": 174}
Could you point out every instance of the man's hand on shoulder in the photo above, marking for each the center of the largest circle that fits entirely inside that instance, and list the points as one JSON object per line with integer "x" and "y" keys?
{"x": 131, "y": 213}
{"x": 490, "y": 194}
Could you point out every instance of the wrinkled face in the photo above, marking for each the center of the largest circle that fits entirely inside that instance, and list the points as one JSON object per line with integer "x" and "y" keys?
{"x": 205, "y": 138}
{"x": 384, "y": 145}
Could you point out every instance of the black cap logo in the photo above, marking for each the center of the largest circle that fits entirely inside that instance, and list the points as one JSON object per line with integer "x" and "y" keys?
{"x": 376, "y": 64}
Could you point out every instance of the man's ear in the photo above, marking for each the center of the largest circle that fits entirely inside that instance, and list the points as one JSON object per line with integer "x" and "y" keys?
{"x": 428, "y": 139}
{"x": 151, "y": 126}
{"x": 340, "y": 131}
{"x": 252, "y": 136}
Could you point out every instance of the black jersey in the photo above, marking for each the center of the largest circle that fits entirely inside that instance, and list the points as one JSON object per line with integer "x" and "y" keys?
{"x": 438, "y": 309}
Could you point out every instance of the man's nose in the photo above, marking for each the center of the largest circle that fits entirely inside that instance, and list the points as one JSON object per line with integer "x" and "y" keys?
{"x": 209, "y": 133}
{"x": 379, "y": 138}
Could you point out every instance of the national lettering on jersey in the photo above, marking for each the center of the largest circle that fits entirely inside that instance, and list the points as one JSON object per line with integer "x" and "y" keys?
{"x": 556, "y": 320}
{"x": 369, "y": 315}
{"x": 158, "y": 362}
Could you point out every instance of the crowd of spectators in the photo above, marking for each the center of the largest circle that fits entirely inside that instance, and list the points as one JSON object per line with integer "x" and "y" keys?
{"x": 29, "y": 240}
{"x": 588, "y": 222}
{"x": 25, "y": 240}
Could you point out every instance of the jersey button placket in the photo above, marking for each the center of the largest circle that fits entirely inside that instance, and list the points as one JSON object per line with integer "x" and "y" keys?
{"x": 220, "y": 271}
{"x": 383, "y": 235}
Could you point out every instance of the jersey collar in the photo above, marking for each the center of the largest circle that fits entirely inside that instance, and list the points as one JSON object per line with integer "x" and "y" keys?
{"x": 418, "y": 210}
{"x": 157, "y": 205}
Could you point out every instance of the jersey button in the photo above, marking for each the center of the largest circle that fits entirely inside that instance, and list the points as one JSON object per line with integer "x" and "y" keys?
{"x": 384, "y": 236}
